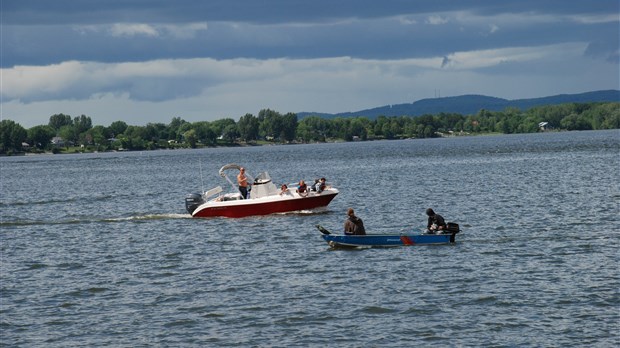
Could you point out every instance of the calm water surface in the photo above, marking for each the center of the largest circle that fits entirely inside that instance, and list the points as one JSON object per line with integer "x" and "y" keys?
{"x": 97, "y": 249}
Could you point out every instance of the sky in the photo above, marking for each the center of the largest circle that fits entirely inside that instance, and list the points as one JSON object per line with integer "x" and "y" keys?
{"x": 147, "y": 61}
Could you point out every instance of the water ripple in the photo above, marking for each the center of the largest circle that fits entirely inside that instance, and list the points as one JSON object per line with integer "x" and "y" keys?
{"x": 126, "y": 266}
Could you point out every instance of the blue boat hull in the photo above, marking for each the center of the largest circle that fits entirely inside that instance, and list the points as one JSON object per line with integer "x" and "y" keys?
{"x": 384, "y": 240}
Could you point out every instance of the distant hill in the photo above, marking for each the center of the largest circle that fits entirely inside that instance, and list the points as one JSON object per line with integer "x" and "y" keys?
{"x": 471, "y": 104}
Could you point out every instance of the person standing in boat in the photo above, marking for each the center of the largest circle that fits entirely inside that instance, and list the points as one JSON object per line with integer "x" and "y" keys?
{"x": 436, "y": 222}
{"x": 242, "y": 180}
{"x": 353, "y": 225}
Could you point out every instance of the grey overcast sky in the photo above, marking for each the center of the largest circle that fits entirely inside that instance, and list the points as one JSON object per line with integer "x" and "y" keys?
{"x": 147, "y": 61}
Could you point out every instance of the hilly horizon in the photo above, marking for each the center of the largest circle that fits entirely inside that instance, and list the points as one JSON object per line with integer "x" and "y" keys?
{"x": 471, "y": 104}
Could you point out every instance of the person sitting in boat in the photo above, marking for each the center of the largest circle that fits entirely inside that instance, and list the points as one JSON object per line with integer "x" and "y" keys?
{"x": 436, "y": 222}
{"x": 321, "y": 186}
{"x": 353, "y": 225}
{"x": 314, "y": 186}
{"x": 302, "y": 189}
{"x": 283, "y": 189}
{"x": 242, "y": 180}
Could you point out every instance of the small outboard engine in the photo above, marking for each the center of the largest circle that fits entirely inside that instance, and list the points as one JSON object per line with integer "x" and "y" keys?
{"x": 192, "y": 201}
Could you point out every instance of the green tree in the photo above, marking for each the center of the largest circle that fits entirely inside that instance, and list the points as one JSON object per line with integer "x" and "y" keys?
{"x": 68, "y": 134}
{"x": 429, "y": 131}
{"x": 387, "y": 130}
{"x": 575, "y": 122}
{"x": 11, "y": 136}
{"x": 58, "y": 121}
{"x": 209, "y": 137}
{"x": 191, "y": 138}
{"x": 174, "y": 129}
{"x": 270, "y": 124}
{"x": 40, "y": 136}
{"x": 395, "y": 127}
{"x": 82, "y": 124}
{"x": 379, "y": 125}
{"x": 341, "y": 128}
{"x": 136, "y": 138}
{"x": 117, "y": 127}
{"x": 219, "y": 126}
{"x": 289, "y": 127}
{"x": 98, "y": 135}
{"x": 204, "y": 133}
{"x": 358, "y": 128}
{"x": 158, "y": 131}
{"x": 230, "y": 133}
{"x": 313, "y": 128}
{"x": 248, "y": 127}
{"x": 410, "y": 129}
{"x": 304, "y": 132}
{"x": 611, "y": 112}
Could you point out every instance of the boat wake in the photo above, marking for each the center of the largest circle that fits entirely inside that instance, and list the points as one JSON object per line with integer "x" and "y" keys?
{"x": 316, "y": 211}
{"x": 149, "y": 217}
{"x": 135, "y": 218}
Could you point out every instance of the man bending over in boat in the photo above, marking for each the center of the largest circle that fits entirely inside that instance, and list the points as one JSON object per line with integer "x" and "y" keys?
{"x": 353, "y": 224}
{"x": 242, "y": 180}
{"x": 436, "y": 222}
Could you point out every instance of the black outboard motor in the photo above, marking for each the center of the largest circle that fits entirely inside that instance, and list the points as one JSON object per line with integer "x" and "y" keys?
{"x": 192, "y": 201}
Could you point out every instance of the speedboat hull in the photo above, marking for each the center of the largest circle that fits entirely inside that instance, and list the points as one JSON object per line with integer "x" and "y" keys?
{"x": 384, "y": 240}
{"x": 264, "y": 197}
{"x": 264, "y": 206}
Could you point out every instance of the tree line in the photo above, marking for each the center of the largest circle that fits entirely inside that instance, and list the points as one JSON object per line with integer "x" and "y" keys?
{"x": 269, "y": 126}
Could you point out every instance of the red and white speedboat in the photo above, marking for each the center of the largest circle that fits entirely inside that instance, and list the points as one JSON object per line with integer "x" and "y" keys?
{"x": 265, "y": 198}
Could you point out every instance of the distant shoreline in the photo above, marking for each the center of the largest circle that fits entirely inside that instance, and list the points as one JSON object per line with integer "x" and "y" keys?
{"x": 76, "y": 149}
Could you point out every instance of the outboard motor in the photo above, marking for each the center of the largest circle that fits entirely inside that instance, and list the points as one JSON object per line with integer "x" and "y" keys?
{"x": 192, "y": 201}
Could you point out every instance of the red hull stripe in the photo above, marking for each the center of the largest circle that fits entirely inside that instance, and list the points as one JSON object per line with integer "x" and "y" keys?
{"x": 243, "y": 210}
{"x": 406, "y": 240}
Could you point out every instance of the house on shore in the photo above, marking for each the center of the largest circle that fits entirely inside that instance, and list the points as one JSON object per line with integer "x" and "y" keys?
{"x": 543, "y": 126}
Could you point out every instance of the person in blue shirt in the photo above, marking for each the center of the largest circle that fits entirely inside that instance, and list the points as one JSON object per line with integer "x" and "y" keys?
{"x": 302, "y": 189}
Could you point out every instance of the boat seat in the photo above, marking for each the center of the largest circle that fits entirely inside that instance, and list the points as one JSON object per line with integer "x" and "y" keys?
{"x": 229, "y": 197}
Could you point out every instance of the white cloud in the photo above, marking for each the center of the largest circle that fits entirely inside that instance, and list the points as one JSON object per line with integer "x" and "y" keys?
{"x": 28, "y": 82}
{"x": 595, "y": 19}
{"x": 178, "y": 31}
{"x": 493, "y": 57}
{"x": 123, "y": 29}
{"x": 160, "y": 80}
{"x": 209, "y": 89}
{"x": 506, "y": 19}
{"x": 525, "y": 19}
{"x": 436, "y": 20}
{"x": 186, "y": 31}
{"x": 407, "y": 20}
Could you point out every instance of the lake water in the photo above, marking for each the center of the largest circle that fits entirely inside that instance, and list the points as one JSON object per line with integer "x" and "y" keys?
{"x": 97, "y": 249}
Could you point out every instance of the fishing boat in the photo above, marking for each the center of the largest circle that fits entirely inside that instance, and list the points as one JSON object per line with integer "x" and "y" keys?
{"x": 264, "y": 198}
{"x": 387, "y": 240}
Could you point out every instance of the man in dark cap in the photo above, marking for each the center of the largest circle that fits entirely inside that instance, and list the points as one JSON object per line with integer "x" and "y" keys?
{"x": 436, "y": 223}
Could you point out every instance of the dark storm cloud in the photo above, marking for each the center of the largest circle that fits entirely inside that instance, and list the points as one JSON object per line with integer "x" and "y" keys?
{"x": 48, "y": 32}
{"x": 26, "y": 12}
{"x": 200, "y": 56}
